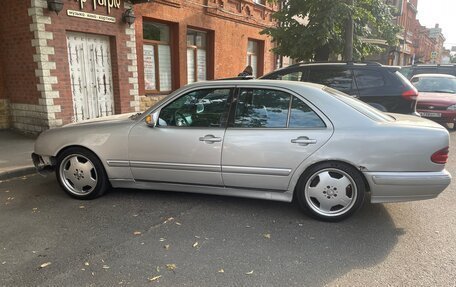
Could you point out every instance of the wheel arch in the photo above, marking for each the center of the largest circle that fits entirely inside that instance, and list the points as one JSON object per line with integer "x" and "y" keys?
{"x": 306, "y": 170}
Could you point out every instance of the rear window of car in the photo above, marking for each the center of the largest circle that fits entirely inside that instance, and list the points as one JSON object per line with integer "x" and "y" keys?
{"x": 360, "y": 106}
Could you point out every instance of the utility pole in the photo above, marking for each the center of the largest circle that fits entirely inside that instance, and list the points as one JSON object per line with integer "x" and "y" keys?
{"x": 349, "y": 29}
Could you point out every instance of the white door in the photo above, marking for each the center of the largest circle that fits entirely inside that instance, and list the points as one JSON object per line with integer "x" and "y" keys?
{"x": 89, "y": 58}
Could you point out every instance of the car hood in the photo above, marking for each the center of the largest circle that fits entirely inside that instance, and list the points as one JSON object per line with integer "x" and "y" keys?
{"x": 443, "y": 99}
{"x": 103, "y": 120}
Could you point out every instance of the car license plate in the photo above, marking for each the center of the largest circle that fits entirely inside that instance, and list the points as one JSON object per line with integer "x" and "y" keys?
{"x": 431, "y": 115}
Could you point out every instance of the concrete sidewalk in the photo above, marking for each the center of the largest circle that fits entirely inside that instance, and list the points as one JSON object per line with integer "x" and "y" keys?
{"x": 15, "y": 154}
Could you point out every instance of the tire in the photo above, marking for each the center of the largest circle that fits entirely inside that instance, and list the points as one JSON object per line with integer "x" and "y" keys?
{"x": 331, "y": 191}
{"x": 81, "y": 174}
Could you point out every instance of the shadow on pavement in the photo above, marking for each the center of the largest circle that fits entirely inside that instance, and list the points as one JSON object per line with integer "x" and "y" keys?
{"x": 274, "y": 240}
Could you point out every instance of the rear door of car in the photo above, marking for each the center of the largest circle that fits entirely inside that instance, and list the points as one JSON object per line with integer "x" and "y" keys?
{"x": 271, "y": 131}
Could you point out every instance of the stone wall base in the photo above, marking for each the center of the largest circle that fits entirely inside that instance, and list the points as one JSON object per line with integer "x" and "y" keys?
{"x": 31, "y": 119}
{"x": 4, "y": 114}
{"x": 148, "y": 101}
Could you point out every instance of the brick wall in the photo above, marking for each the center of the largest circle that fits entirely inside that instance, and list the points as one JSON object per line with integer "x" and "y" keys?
{"x": 230, "y": 23}
{"x": 124, "y": 69}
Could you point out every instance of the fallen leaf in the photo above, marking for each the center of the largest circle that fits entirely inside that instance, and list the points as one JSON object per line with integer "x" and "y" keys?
{"x": 249, "y": 273}
{"x": 86, "y": 263}
{"x": 135, "y": 215}
{"x": 137, "y": 233}
{"x": 221, "y": 271}
{"x": 178, "y": 223}
{"x": 168, "y": 220}
{"x": 44, "y": 265}
{"x": 105, "y": 267}
{"x": 171, "y": 267}
{"x": 195, "y": 244}
{"x": 162, "y": 239}
{"x": 196, "y": 236}
{"x": 81, "y": 206}
{"x": 166, "y": 246}
{"x": 4, "y": 262}
{"x": 247, "y": 226}
{"x": 155, "y": 278}
{"x": 83, "y": 269}
{"x": 267, "y": 235}
{"x": 158, "y": 268}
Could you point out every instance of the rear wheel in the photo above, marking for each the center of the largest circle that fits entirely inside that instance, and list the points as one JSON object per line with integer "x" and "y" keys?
{"x": 81, "y": 174}
{"x": 331, "y": 191}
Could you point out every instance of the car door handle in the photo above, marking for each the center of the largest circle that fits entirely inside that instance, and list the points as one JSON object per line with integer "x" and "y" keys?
{"x": 304, "y": 141}
{"x": 210, "y": 139}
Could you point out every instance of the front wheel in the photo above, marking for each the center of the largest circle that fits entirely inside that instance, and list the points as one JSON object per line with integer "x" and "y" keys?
{"x": 81, "y": 174}
{"x": 331, "y": 191}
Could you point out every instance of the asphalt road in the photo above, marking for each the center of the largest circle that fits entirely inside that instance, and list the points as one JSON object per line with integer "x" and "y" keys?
{"x": 132, "y": 237}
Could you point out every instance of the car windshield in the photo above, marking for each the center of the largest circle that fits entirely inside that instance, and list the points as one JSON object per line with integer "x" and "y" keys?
{"x": 435, "y": 84}
{"x": 360, "y": 106}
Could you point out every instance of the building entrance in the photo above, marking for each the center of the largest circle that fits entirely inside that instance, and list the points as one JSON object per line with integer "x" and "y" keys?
{"x": 89, "y": 58}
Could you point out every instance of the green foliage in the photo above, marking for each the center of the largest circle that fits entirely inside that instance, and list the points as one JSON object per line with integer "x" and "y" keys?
{"x": 305, "y": 26}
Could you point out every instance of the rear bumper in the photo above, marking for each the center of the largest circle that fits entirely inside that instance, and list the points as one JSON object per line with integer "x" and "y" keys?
{"x": 406, "y": 186}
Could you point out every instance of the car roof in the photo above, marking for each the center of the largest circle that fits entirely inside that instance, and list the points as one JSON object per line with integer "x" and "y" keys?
{"x": 434, "y": 76}
{"x": 259, "y": 82}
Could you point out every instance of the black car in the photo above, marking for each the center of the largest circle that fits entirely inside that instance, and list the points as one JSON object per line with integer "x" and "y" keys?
{"x": 381, "y": 86}
{"x": 410, "y": 71}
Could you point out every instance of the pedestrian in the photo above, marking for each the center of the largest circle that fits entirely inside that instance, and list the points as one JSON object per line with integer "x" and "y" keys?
{"x": 248, "y": 71}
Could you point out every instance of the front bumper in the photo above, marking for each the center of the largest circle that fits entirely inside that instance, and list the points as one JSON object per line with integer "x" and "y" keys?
{"x": 43, "y": 165}
{"x": 406, "y": 186}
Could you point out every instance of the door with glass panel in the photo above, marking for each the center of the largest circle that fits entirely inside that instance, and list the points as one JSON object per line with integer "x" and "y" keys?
{"x": 89, "y": 59}
{"x": 270, "y": 134}
{"x": 186, "y": 144}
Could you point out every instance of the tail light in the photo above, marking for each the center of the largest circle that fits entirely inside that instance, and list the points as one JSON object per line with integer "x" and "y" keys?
{"x": 441, "y": 156}
{"x": 410, "y": 94}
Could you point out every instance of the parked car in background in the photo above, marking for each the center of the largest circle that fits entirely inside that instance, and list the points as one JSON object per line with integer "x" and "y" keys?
{"x": 410, "y": 71}
{"x": 437, "y": 97}
{"x": 275, "y": 140}
{"x": 382, "y": 87}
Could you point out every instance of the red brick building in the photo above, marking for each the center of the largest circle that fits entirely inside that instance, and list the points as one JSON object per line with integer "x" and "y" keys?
{"x": 87, "y": 62}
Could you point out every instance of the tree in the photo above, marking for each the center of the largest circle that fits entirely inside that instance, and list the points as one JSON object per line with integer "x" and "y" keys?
{"x": 315, "y": 29}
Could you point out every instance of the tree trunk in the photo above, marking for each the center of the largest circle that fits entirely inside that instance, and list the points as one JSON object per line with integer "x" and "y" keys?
{"x": 348, "y": 49}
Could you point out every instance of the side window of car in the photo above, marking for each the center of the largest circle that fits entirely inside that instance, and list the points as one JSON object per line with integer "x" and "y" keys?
{"x": 337, "y": 78}
{"x": 302, "y": 116}
{"x": 429, "y": 70}
{"x": 262, "y": 108}
{"x": 446, "y": 70}
{"x": 201, "y": 108}
{"x": 407, "y": 72}
{"x": 294, "y": 74}
{"x": 368, "y": 79}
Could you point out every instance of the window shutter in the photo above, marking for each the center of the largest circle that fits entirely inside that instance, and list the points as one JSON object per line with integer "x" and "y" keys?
{"x": 201, "y": 62}
{"x": 164, "y": 55}
{"x": 190, "y": 65}
{"x": 149, "y": 67}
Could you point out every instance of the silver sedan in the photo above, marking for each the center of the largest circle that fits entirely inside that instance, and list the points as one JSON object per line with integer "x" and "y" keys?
{"x": 275, "y": 140}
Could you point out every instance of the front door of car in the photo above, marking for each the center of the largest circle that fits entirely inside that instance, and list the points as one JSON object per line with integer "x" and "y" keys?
{"x": 185, "y": 145}
{"x": 271, "y": 132}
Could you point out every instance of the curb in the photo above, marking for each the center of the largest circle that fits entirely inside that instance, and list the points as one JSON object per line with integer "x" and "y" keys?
{"x": 17, "y": 172}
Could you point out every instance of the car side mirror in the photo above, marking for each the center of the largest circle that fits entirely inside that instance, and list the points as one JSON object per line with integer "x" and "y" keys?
{"x": 150, "y": 122}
